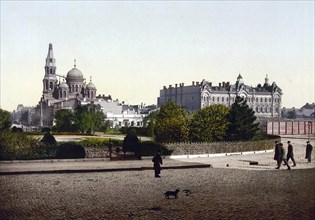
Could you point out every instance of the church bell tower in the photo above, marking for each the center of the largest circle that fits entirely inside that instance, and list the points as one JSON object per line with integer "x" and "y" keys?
{"x": 50, "y": 79}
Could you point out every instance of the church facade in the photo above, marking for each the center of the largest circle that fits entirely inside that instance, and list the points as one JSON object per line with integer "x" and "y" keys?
{"x": 65, "y": 94}
{"x": 264, "y": 99}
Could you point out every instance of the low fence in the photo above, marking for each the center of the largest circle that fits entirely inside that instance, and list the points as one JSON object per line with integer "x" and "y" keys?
{"x": 292, "y": 127}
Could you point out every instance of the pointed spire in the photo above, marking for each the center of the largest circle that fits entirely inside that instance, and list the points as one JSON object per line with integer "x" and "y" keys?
{"x": 50, "y": 59}
{"x": 266, "y": 80}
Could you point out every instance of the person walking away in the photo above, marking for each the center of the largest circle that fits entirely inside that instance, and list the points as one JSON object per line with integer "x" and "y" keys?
{"x": 309, "y": 149}
{"x": 290, "y": 154}
{"x": 277, "y": 153}
{"x": 157, "y": 162}
{"x": 282, "y": 157}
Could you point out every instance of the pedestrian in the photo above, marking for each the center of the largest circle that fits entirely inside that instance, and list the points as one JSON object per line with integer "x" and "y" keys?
{"x": 157, "y": 162}
{"x": 282, "y": 157}
{"x": 290, "y": 154}
{"x": 309, "y": 149}
{"x": 276, "y": 156}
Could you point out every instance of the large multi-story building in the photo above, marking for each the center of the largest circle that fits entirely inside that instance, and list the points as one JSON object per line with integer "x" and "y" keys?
{"x": 264, "y": 99}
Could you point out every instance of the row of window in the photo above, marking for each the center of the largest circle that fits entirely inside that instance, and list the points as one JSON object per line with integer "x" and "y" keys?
{"x": 265, "y": 109}
{"x": 63, "y": 94}
{"x": 223, "y": 99}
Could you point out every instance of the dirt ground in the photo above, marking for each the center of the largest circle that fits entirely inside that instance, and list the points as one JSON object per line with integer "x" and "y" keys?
{"x": 214, "y": 194}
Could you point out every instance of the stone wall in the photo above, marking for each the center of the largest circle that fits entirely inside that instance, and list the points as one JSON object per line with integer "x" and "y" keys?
{"x": 220, "y": 147}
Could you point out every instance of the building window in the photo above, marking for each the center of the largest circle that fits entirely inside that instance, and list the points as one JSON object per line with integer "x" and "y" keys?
{"x": 213, "y": 99}
{"x": 218, "y": 99}
{"x": 265, "y": 99}
{"x": 222, "y": 99}
{"x": 261, "y": 109}
{"x": 227, "y": 99}
{"x": 51, "y": 86}
{"x": 269, "y": 99}
{"x": 256, "y": 99}
{"x": 257, "y": 109}
{"x": 64, "y": 94}
{"x": 60, "y": 94}
{"x": 261, "y": 99}
{"x": 50, "y": 71}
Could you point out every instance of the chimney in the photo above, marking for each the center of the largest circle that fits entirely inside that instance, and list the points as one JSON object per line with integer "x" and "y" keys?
{"x": 223, "y": 84}
{"x": 164, "y": 87}
{"x": 210, "y": 84}
{"x": 170, "y": 86}
{"x": 219, "y": 84}
{"x": 197, "y": 83}
{"x": 176, "y": 85}
{"x": 227, "y": 84}
{"x": 193, "y": 83}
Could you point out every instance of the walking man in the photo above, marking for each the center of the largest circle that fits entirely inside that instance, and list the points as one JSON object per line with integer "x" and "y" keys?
{"x": 157, "y": 162}
{"x": 282, "y": 157}
{"x": 290, "y": 154}
{"x": 309, "y": 149}
{"x": 277, "y": 153}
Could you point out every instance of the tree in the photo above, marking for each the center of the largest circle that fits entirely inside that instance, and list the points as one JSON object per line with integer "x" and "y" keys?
{"x": 209, "y": 124}
{"x": 242, "y": 119}
{"x": 89, "y": 118}
{"x": 150, "y": 122}
{"x": 132, "y": 144}
{"x": 5, "y": 120}
{"x": 64, "y": 120}
{"x": 171, "y": 124}
{"x": 291, "y": 114}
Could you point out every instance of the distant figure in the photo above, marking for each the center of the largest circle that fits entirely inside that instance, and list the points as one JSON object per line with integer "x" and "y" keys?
{"x": 277, "y": 153}
{"x": 309, "y": 149}
{"x": 157, "y": 162}
{"x": 282, "y": 157}
{"x": 290, "y": 154}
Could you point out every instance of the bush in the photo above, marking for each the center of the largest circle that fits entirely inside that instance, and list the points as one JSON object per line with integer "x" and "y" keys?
{"x": 17, "y": 146}
{"x": 70, "y": 151}
{"x": 132, "y": 144}
{"x": 48, "y": 139}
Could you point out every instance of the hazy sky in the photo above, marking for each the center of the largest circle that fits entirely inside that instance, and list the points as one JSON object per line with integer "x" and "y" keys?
{"x": 132, "y": 49}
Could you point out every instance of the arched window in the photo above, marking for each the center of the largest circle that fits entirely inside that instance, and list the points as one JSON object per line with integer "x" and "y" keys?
{"x": 213, "y": 99}
{"x": 76, "y": 88}
{"x": 92, "y": 95}
{"x": 257, "y": 109}
{"x": 261, "y": 99}
{"x": 218, "y": 99}
{"x": 256, "y": 99}
{"x": 64, "y": 94}
{"x": 50, "y": 71}
{"x": 222, "y": 99}
{"x": 72, "y": 90}
{"x": 265, "y": 99}
{"x": 60, "y": 94}
{"x": 51, "y": 85}
{"x": 46, "y": 86}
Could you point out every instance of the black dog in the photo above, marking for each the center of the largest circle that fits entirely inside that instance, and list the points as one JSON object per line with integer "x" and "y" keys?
{"x": 171, "y": 193}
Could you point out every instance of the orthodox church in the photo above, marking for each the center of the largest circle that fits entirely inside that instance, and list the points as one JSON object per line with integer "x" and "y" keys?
{"x": 65, "y": 94}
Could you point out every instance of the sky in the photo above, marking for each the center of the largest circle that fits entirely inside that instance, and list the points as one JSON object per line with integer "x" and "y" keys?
{"x": 131, "y": 49}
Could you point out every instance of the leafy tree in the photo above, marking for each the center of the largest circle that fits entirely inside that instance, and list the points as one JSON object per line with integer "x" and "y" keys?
{"x": 5, "y": 120}
{"x": 291, "y": 114}
{"x": 209, "y": 124}
{"x": 89, "y": 118}
{"x": 171, "y": 124}
{"x": 150, "y": 122}
{"x": 242, "y": 119}
{"x": 64, "y": 120}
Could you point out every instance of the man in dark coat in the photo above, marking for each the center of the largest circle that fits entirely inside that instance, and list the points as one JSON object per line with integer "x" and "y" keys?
{"x": 309, "y": 149}
{"x": 277, "y": 153}
{"x": 290, "y": 154}
{"x": 282, "y": 157}
{"x": 157, "y": 162}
